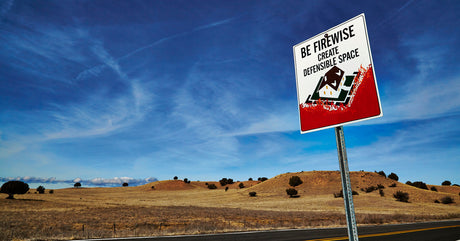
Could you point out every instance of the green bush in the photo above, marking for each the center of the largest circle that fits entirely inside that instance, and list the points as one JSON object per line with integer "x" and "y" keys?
{"x": 370, "y": 189}
{"x": 447, "y": 200}
{"x": 295, "y": 181}
{"x": 418, "y": 184}
{"x": 393, "y": 176}
{"x": 446, "y": 183}
{"x": 401, "y": 196}
{"x": 291, "y": 192}
{"x": 382, "y": 173}
{"x": 262, "y": 179}
{"x": 41, "y": 189}
{"x": 14, "y": 187}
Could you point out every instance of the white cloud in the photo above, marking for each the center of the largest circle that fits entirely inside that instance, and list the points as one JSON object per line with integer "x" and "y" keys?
{"x": 101, "y": 182}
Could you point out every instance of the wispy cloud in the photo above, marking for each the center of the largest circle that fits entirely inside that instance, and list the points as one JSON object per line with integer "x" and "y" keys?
{"x": 95, "y": 70}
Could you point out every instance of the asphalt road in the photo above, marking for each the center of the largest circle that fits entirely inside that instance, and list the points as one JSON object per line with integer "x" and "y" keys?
{"x": 430, "y": 231}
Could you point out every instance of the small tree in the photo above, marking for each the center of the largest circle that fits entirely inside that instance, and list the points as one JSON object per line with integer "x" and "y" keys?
{"x": 212, "y": 186}
{"x": 252, "y": 194}
{"x": 125, "y": 184}
{"x": 223, "y": 181}
{"x": 446, "y": 183}
{"x": 14, "y": 187}
{"x": 241, "y": 185}
{"x": 77, "y": 185}
{"x": 295, "y": 181}
{"x": 51, "y": 191}
{"x": 291, "y": 192}
{"x": 250, "y": 179}
{"x": 434, "y": 189}
{"x": 41, "y": 189}
{"x": 175, "y": 178}
{"x": 393, "y": 176}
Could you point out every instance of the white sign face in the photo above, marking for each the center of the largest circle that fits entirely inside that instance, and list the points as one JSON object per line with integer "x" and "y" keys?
{"x": 335, "y": 77}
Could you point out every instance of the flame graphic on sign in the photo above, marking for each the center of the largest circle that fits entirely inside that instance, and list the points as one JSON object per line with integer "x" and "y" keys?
{"x": 329, "y": 105}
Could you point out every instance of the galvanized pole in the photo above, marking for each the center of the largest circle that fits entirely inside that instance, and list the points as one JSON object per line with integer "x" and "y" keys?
{"x": 346, "y": 185}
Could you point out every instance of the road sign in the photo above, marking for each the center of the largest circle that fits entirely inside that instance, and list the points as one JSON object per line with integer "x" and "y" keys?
{"x": 336, "y": 83}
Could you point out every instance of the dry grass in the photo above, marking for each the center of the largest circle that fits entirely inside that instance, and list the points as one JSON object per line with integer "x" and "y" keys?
{"x": 178, "y": 208}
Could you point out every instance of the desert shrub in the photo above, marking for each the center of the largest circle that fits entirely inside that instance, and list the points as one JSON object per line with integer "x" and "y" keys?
{"x": 51, "y": 191}
{"x": 418, "y": 184}
{"x": 41, "y": 189}
{"x": 212, "y": 186}
{"x": 175, "y": 178}
{"x": 370, "y": 189}
{"x": 393, "y": 185}
{"x": 223, "y": 181}
{"x": 447, "y": 200}
{"x": 226, "y": 188}
{"x": 250, "y": 179}
{"x": 381, "y": 192}
{"x": 186, "y": 180}
{"x": 262, "y": 179}
{"x": 433, "y": 189}
{"x": 252, "y": 194}
{"x": 291, "y": 192}
{"x": 77, "y": 185}
{"x": 153, "y": 187}
{"x": 230, "y": 181}
{"x": 295, "y": 181}
{"x": 380, "y": 186}
{"x": 393, "y": 176}
{"x": 401, "y": 196}
{"x": 381, "y": 173}
{"x": 125, "y": 184}
{"x": 446, "y": 183}
{"x": 421, "y": 185}
{"x": 14, "y": 187}
{"x": 241, "y": 185}
{"x": 436, "y": 201}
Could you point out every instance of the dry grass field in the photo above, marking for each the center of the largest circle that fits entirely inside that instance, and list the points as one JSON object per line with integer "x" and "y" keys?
{"x": 175, "y": 207}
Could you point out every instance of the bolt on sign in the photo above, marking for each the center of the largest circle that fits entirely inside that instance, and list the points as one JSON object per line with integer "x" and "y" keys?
{"x": 336, "y": 83}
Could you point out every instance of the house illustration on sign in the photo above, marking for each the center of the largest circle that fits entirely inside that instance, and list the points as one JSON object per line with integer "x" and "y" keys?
{"x": 333, "y": 88}
{"x": 329, "y": 87}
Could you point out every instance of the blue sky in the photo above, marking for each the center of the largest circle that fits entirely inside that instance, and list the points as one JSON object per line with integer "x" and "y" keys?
{"x": 110, "y": 91}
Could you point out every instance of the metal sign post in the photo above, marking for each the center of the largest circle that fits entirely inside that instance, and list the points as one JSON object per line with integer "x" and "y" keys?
{"x": 346, "y": 185}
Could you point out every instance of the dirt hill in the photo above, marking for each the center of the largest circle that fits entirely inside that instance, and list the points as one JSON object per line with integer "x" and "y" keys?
{"x": 177, "y": 185}
{"x": 329, "y": 182}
